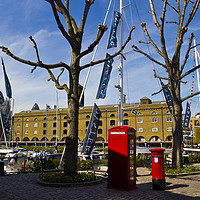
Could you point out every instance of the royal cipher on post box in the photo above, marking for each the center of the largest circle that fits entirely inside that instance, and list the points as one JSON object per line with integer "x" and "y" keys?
{"x": 122, "y": 158}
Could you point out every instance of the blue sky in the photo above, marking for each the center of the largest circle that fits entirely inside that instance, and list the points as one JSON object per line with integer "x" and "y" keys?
{"x": 19, "y": 19}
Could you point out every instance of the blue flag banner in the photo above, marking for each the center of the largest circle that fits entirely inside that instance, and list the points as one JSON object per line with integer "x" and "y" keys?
{"x": 168, "y": 98}
{"x": 112, "y": 42}
{"x": 7, "y": 83}
{"x": 91, "y": 134}
{"x": 1, "y": 98}
{"x": 187, "y": 116}
{"x": 105, "y": 77}
{"x": 134, "y": 112}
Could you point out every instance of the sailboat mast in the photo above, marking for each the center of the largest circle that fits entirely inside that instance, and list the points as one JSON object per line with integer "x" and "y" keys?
{"x": 196, "y": 59}
{"x": 120, "y": 122}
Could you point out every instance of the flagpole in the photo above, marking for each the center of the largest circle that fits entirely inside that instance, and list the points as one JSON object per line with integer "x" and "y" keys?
{"x": 196, "y": 59}
{"x": 120, "y": 122}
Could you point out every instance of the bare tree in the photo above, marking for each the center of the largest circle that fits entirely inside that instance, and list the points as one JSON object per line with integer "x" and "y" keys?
{"x": 74, "y": 35}
{"x": 184, "y": 12}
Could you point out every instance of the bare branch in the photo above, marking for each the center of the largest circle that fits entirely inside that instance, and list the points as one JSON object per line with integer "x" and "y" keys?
{"x": 192, "y": 13}
{"x": 60, "y": 26}
{"x": 39, "y": 64}
{"x": 160, "y": 77}
{"x": 136, "y": 49}
{"x": 36, "y": 49}
{"x": 150, "y": 40}
{"x": 172, "y": 7}
{"x": 88, "y": 3}
{"x": 174, "y": 22}
{"x": 56, "y": 81}
{"x": 190, "y": 96}
{"x": 190, "y": 71}
{"x": 187, "y": 53}
{"x": 157, "y": 92}
{"x": 100, "y": 32}
{"x": 154, "y": 14}
{"x": 112, "y": 56}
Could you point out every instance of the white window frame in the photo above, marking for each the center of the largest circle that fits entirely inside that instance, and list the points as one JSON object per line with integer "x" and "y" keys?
{"x": 139, "y": 130}
{"x": 155, "y": 129}
{"x": 154, "y": 120}
{"x": 139, "y": 120}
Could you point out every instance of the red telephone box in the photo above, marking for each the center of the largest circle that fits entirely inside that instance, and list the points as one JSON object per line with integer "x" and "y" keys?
{"x": 122, "y": 158}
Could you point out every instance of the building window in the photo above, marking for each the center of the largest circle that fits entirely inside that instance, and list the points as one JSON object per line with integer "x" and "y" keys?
{"x": 55, "y": 118}
{"x": 139, "y": 120}
{"x": 112, "y": 115}
{"x": 35, "y": 132}
{"x": 154, "y": 120}
{"x": 154, "y": 129}
{"x": 44, "y": 132}
{"x": 54, "y": 132}
{"x": 27, "y": 120}
{"x": 169, "y": 128}
{"x": 65, "y": 124}
{"x": 45, "y": 118}
{"x": 100, "y": 131}
{"x": 87, "y": 123}
{"x": 35, "y": 119}
{"x": 154, "y": 113}
{"x": 65, "y": 132}
{"x": 126, "y": 122}
{"x": 168, "y": 112}
{"x": 112, "y": 122}
{"x": 54, "y": 124}
{"x": 44, "y": 125}
{"x": 36, "y": 125}
{"x": 140, "y": 130}
{"x": 26, "y": 125}
{"x": 139, "y": 114}
{"x": 169, "y": 119}
{"x": 196, "y": 122}
{"x": 88, "y": 116}
{"x": 26, "y": 132}
{"x": 100, "y": 123}
{"x": 125, "y": 114}
{"x": 18, "y": 120}
{"x": 154, "y": 139}
{"x": 18, "y": 132}
{"x": 18, "y": 125}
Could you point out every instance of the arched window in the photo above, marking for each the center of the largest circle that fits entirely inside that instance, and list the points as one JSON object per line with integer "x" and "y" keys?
{"x": 141, "y": 139}
{"x": 44, "y": 139}
{"x": 169, "y": 138}
{"x": 26, "y": 139}
{"x": 17, "y": 139}
{"x": 125, "y": 114}
{"x": 155, "y": 139}
{"x": 53, "y": 139}
{"x": 100, "y": 139}
{"x": 88, "y": 116}
{"x": 35, "y": 139}
{"x": 112, "y": 115}
{"x": 139, "y": 114}
{"x": 154, "y": 113}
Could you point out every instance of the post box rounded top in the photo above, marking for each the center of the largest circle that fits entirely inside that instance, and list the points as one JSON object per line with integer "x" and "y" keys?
{"x": 157, "y": 150}
{"x": 122, "y": 128}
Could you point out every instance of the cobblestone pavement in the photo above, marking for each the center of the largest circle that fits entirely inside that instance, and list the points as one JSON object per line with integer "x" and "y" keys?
{"x": 24, "y": 187}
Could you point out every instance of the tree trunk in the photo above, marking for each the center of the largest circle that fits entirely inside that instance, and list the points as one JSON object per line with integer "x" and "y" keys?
{"x": 177, "y": 130}
{"x": 71, "y": 150}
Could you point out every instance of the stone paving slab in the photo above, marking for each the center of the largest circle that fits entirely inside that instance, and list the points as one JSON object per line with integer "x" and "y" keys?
{"x": 24, "y": 187}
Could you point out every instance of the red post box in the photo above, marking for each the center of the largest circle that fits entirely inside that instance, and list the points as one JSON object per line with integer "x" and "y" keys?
{"x": 158, "y": 173}
{"x": 122, "y": 158}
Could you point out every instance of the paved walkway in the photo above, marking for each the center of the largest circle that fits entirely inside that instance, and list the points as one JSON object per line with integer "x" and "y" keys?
{"x": 24, "y": 187}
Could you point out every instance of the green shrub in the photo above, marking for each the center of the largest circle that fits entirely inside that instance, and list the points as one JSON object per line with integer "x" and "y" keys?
{"x": 59, "y": 177}
{"x": 84, "y": 164}
{"x": 181, "y": 170}
{"x": 194, "y": 158}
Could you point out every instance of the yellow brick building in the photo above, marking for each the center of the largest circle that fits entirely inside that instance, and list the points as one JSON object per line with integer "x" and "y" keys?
{"x": 152, "y": 121}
